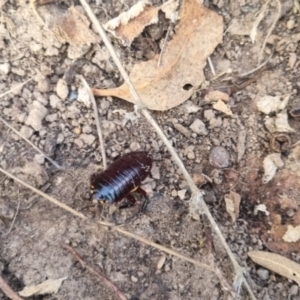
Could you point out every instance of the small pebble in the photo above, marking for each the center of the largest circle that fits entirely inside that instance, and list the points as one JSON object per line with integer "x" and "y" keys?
{"x": 294, "y": 289}
{"x": 133, "y": 279}
{"x": 54, "y": 101}
{"x": 77, "y": 130}
{"x": 263, "y": 274}
{"x": 87, "y": 129}
{"x": 198, "y": 127}
{"x": 190, "y": 107}
{"x": 215, "y": 122}
{"x": 155, "y": 172}
{"x": 39, "y": 158}
{"x": 26, "y": 131}
{"x": 219, "y": 157}
{"x": 134, "y": 146}
{"x": 174, "y": 193}
{"x": 191, "y": 155}
{"x": 79, "y": 143}
{"x": 36, "y": 115}
{"x": 6, "y": 212}
{"x": 115, "y": 154}
{"x": 290, "y": 24}
{"x": 161, "y": 262}
{"x": 5, "y": 68}
{"x": 87, "y": 138}
{"x": 62, "y": 89}
{"x": 60, "y": 138}
{"x": 43, "y": 85}
{"x": 181, "y": 194}
{"x": 209, "y": 114}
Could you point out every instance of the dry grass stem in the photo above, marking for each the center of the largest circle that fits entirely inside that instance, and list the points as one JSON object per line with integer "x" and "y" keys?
{"x": 101, "y": 140}
{"x": 171, "y": 26}
{"x": 197, "y": 200}
{"x": 7, "y": 290}
{"x": 15, "y": 87}
{"x": 211, "y": 66}
{"x": 101, "y": 277}
{"x": 257, "y": 68}
{"x": 270, "y": 30}
{"x": 31, "y": 144}
{"x": 112, "y": 226}
{"x": 16, "y": 213}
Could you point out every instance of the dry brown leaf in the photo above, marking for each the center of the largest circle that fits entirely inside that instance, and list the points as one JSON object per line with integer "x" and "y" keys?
{"x": 233, "y": 201}
{"x": 222, "y": 107}
{"x": 181, "y": 71}
{"x": 74, "y": 28}
{"x": 128, "y": 25}
{"x": 271, "y": 163}
{"x": 277, "y": 263}
{"x": 49, "y": 286}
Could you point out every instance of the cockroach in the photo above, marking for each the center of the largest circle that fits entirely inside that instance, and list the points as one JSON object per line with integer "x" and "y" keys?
{"x": 121, "y": 178}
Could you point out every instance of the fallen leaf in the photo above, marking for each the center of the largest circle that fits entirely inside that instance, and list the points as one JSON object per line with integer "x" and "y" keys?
{"x": 222, "y": 107}
{"x": 49, "y": 286}
{"x": 73, "y": 27}
{"x": 277, "y": 263}
{"x": 292, "y": 234}
{"x": 271, "y": 163}
{"x": 281, "y": 122}
{"x": 269, "y": 104}
{"x": 232, "y": 201}
{"x": 128, "y": 25}
{"x": 181, "y": 70}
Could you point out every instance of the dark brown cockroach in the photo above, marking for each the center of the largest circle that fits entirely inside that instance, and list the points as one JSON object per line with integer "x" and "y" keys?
{"x": 121, "y": 178}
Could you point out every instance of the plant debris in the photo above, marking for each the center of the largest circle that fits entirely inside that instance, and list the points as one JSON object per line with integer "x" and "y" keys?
{"x": 128, "y": 25}
{"x": 277, "y": 263}
{"x": 169, "y": 85}
{"x": 49, "y": 286}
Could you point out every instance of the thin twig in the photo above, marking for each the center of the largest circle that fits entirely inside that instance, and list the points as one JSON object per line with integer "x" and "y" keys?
{"x": 15, "y": 87}
{"x": 211, "y": 66}
{"x": 174, "y": 18}
{"x": 101, "y": 277}
{"x": 31, "y": 144}
{"x": 257, "y": 68}
{"x": 112, "y": 226}
{"x": 7, "y": 290}
{"x": 16, "y": 213}
{"x": 197, "y": 199}
{"x": 270, "y": 30}
{"x": 96, "y": 120}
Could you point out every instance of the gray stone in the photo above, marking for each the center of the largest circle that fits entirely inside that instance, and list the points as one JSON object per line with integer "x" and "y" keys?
{"x": 26, "y": 131}
{"x": 198, "y": 127}
{"x": 87, "y": 138}
{"x": 36, "y": 115}
{"x": 62, "y": 89}
{"x": 5, "y": 68}
{"x": 263, "y": 273}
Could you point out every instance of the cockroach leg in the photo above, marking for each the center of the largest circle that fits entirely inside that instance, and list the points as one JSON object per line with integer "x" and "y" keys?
{"x": 132, "y": 201}
{"x": 144, "y": 194}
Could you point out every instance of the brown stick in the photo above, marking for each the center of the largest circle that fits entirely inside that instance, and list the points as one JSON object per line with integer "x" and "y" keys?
{"x": 8, "y": 291}
{"x": 97, "y": 274}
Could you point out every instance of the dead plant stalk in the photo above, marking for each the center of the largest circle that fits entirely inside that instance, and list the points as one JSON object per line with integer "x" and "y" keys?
{"x": 197, "y": 204}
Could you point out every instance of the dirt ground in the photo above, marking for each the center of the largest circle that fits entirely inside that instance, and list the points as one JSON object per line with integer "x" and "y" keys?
{"x": 30, "y": 245}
